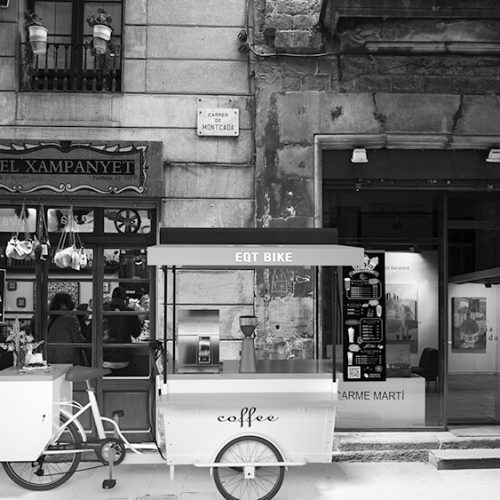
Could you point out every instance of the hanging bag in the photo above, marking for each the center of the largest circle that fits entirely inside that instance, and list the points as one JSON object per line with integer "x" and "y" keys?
{"x": 70, "y": 250}
{"x": 42, "y": 243}
{"x": 21, "y": 248}
{"x": 63, "y": 256}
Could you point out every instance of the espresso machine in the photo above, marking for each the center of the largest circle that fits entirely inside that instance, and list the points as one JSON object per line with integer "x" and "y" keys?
{"x": 197, "y": 345}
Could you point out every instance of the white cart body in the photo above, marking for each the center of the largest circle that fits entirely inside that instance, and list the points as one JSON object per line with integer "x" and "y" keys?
{"x": 201, "y": 413}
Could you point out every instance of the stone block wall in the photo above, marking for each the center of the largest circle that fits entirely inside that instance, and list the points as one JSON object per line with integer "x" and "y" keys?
{"x": 368, "y": 78}
{"x": 178, "y": 56}
{"x": 292, "y": 25}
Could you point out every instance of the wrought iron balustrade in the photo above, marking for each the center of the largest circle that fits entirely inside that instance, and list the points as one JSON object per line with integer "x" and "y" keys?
{"x": 68, "y": 67}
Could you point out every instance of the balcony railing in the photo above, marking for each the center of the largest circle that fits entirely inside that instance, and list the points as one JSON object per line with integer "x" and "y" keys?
{"x": 67, "y": 67}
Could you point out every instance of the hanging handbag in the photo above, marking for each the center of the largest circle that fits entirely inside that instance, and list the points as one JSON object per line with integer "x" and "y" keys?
{"x": 70, "y": 250}
{"x": 21, "y": 248}
{"x": 63, "y": 256}
{"x": 41, "y": 238}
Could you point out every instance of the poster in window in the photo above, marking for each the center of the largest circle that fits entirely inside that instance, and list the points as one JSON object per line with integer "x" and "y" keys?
{"x": 469, "y": 324}
{"x": 401, "y": 314}
{"x": 364, "y": 338}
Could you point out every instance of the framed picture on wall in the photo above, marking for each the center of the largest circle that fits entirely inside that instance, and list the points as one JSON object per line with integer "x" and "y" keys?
{"x": 71, "y": 287}
{"x": 469, "y": 324}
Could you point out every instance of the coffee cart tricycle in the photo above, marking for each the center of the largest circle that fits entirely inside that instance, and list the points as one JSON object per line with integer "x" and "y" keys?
{"x": 246, "y": 419}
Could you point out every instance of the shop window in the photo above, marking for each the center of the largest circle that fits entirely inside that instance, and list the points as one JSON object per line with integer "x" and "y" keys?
{"x": 10, "y": 219}
{"x": 71, "y": 62}
{"x": 82, "y": 219}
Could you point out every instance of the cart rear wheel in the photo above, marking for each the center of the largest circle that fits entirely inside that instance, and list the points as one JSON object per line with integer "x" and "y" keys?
{"x": 266, "y": 481}
{"x": 48, "y": 471}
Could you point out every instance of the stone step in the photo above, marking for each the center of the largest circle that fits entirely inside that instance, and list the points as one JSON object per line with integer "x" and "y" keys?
{"x": 477, "y": 458}
{"x": 402, "y": 446}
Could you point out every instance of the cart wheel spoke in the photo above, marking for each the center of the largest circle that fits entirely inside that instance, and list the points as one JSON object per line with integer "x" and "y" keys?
{"x": 266, "y": 481}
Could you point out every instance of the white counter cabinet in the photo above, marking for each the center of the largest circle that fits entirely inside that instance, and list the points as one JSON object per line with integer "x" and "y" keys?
{"x": 29, "y": 410}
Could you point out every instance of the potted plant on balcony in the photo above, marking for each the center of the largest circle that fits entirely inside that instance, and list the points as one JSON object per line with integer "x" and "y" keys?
{"x": 37, "y": 32}
{"x": 102, "y": 29}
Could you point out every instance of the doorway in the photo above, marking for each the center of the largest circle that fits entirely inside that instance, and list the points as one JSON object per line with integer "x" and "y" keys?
{"x": 443, "y": 207}
{"x": 474, "y": 293}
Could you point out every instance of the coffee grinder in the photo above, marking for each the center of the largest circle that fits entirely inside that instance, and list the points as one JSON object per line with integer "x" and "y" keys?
{"x": 247, "y": 361}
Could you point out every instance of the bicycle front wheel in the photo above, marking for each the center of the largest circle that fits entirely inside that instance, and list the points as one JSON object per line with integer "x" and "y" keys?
{"x": 267, "y": 479}
{"x": 49, "y": 470}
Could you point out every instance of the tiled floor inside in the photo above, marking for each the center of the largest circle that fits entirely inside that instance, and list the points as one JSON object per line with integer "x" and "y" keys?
{"x": 474, "y": 397}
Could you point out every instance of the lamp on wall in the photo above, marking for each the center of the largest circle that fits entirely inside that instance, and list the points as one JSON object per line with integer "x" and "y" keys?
{"x": 493, "y": 156}
{"x": 359, "y": 155}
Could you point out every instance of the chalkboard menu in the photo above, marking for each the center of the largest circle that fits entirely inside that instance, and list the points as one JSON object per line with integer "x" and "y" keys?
{"x": 364, "y": 319}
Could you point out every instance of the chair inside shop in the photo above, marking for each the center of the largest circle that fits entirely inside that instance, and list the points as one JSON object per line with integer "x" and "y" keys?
{"x": 428, "y": 366}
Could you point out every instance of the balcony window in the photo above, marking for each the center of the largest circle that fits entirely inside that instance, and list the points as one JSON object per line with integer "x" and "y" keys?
{"x": 71, "y": 64}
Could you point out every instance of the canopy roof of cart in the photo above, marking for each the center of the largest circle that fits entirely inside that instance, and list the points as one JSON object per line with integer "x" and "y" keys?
{"x": 252, "y": 247}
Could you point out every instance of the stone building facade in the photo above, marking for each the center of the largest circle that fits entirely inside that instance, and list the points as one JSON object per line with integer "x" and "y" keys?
{"x": 398, "y": 80}
{"x": 307, "y": 77}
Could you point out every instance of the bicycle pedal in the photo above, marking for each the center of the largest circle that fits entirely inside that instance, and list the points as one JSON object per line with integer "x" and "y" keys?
{"x": 107, "y": 484}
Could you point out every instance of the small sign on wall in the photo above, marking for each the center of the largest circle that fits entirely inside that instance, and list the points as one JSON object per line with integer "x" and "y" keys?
{"x": 218, "y": 122}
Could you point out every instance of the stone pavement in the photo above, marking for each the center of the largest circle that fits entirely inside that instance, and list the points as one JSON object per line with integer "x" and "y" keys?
{"x": 332, "y": 481}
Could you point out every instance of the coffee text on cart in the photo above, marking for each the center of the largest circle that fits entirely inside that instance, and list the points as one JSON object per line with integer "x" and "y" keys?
{"x": 246, "y": 417}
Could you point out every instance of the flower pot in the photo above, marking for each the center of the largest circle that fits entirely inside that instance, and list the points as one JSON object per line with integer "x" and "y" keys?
{"x": 38, "y": 39}
{"x": 102, "y": 34}
{"x": 19, "y": 359}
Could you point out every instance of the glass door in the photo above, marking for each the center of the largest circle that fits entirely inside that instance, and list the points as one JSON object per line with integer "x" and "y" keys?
{"x": 474, "y": 298}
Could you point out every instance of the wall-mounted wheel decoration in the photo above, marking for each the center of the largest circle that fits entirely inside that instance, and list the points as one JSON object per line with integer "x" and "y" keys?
{"x": 127, "y": 220}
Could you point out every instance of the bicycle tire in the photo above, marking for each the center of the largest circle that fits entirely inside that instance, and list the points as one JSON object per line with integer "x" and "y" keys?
{"x": 230, "y": 480}
{"x": 48, "y": 471}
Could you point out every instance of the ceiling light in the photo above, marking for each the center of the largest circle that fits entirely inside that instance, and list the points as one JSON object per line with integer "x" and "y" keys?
{"x": 493, "y": 156}
{"x": 359, "y": 155}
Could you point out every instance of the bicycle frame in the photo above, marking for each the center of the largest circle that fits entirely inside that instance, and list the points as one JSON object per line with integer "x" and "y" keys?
{"x": 98, "y": 421}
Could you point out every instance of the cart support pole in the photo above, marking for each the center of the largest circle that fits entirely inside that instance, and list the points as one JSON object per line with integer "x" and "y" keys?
{"x": 165, "y": 308}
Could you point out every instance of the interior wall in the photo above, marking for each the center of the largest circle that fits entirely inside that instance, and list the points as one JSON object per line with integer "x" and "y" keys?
{"x": 471, "y": 361}
{"x": 420, "y": 270}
